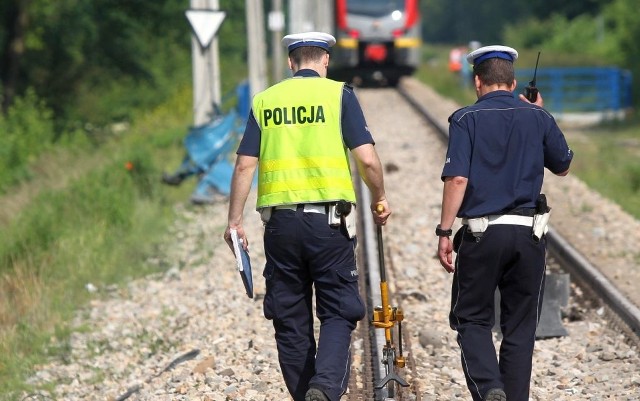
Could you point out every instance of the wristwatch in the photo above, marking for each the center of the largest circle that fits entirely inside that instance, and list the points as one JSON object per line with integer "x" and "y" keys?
{"x": 443, "y": 233}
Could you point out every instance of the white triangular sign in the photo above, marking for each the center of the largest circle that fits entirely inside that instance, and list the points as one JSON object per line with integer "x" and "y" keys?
{"x": 205, "y": 24}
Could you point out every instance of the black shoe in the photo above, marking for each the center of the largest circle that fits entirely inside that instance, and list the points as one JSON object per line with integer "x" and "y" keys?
{"x": 175, "y": 179}
{"x": 313, "y": 394}
{"x": 495, "y": 394}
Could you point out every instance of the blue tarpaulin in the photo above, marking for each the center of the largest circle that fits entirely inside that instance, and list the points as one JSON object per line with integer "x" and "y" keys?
{"x": 209, "y": 148}
{"x": 208, "y": 143}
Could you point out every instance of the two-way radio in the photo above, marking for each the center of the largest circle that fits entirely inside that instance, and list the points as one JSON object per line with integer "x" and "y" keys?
{"x": 531, "y": 92}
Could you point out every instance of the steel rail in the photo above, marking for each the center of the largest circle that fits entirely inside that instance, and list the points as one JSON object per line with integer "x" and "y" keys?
{"x": 577, "y": 265}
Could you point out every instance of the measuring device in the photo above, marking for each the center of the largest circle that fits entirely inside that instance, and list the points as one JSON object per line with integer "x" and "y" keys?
{"x": 386, "y": 317}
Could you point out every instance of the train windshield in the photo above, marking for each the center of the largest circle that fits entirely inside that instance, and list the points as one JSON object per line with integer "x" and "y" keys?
{"x": 374, "y": 8}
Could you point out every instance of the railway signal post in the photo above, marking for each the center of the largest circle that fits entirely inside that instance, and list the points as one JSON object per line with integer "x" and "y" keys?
{"x": 205, "y": 19}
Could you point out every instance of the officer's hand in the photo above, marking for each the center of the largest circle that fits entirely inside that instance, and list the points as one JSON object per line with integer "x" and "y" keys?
{"x": 241, "y": 235}
{"x": 445, "y": 254}
{"x": 538, "y": 102}
{"x": 381, "y": 212}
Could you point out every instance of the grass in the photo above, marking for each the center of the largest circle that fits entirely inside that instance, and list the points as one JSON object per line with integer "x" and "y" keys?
{"x": 607, "y": 156}
{"x": 608, "y": 160}
{"x": 91, "y": 215}
{"x": 95, "y": 221}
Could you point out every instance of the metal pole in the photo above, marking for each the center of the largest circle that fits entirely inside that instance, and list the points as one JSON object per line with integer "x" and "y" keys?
{"x": 257, "y": 48}
{"x": 206, "y": 71}
{"x": 323, "y": 16}
{"x": 276, "y": 36}
{"x": 300, "y": 16}
{"x": 294, "y": 16}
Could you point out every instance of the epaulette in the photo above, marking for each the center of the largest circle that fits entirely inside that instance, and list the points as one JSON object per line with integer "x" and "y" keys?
{"x": 449, "y": 119}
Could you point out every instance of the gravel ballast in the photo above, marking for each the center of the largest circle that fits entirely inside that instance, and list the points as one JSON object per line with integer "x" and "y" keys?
{"x": 127, "y": 337}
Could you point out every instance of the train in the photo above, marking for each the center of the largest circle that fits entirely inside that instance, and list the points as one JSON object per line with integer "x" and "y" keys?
{"x": 377, "y": 41}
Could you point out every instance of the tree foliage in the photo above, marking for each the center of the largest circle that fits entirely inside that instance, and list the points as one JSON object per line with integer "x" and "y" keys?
{"x": 25, "y": 131}
{"x": 76, "y": 43}
{"x": 73, "y": 49}
{"x": 100, "y": 60}
{"x": 604, "y": 32}
{"x": 70, "y": 69}
{"x": 464, "y": 20}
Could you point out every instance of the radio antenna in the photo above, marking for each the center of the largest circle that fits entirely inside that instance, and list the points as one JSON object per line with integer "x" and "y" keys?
{"x": 535, "y": 72}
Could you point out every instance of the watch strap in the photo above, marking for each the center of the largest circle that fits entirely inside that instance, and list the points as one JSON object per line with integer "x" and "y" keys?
{"x": 443, "y": 233}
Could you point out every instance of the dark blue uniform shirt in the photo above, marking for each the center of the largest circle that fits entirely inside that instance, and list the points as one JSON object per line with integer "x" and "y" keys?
{"x": 354, "y": 128}
{"x": 502, "y": 145}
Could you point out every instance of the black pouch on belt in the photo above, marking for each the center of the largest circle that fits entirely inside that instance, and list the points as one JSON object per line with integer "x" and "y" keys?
{"x": 338, "y": 211}
{"x": 541, "y": 218}
{"x": 343, "y": 208}
{"x": 541, "y": 204}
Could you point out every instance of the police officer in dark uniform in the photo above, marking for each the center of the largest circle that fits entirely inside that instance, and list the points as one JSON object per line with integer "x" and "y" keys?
{"x": 298, "y": 133}
{"x": 493, "y": 173}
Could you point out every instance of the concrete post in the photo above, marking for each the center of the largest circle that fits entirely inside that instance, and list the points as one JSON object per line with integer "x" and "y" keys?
{"x": 257, "y": 49}
{"x": 206, "y": 71}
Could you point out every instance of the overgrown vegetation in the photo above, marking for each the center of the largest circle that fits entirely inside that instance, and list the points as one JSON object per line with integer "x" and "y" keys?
{"x": 608, "y": 161}
{"x": 82, "y": 204}
{"x": 96, "y": 230}
{"x": 26, "y": 132}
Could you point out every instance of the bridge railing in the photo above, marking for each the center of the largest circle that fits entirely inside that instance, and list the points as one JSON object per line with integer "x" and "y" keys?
{"x": 581, "y": 89}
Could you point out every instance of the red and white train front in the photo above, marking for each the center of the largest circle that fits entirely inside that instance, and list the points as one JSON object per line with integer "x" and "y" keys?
{"x": 376, "y": 40}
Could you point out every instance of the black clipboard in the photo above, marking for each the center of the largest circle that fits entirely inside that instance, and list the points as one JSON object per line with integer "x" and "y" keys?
{"x": 243, "y": 263}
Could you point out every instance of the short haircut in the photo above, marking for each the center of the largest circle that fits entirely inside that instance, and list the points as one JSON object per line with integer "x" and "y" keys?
{"x": 306, "y": 54}
{"x": 495, "y": 71}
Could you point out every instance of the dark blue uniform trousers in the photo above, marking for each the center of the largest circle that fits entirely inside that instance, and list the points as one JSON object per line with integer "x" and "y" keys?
{"x": 508, "y": 258}
{"x": 303, "y": 251}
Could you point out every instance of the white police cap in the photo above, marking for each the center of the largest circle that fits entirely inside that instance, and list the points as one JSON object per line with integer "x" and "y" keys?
{"x": 495, "y": 51}
{"x": 317, "y": 39}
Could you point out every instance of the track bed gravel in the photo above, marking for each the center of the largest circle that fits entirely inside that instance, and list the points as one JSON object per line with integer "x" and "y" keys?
{"x": 127, "y": 337}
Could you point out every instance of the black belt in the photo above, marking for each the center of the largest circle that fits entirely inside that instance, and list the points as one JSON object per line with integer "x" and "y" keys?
{"x": 523, "y": 211}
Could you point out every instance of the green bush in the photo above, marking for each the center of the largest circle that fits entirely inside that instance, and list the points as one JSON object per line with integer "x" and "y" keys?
{"x": 25, "y": 132}
{"x": 564, "y": 40}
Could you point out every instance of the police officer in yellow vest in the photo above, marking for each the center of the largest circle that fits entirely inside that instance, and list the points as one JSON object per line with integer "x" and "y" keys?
{"x": 298, "y": 135}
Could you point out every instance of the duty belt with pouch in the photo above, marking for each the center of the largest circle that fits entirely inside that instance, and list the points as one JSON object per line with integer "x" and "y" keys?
{"x": 343, "y": 213}
{"x": 478, "y": 225}
{"x": 338, "y": 213}
{"x": 538, "y": 222}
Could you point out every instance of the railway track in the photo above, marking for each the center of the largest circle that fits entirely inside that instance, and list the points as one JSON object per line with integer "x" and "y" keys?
{"x": 622, "y": 313}
{"x": 200, "y": 304}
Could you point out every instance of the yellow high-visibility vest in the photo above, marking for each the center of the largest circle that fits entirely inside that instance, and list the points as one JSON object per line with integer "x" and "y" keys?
{"x": 302, "y": 156}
